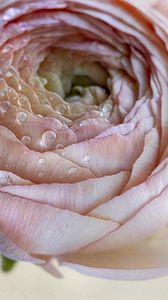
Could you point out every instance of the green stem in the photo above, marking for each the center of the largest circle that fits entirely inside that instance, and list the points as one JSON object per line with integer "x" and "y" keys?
{"x": 7, "y": 264}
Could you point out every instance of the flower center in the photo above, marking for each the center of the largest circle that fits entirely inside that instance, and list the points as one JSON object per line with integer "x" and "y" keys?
{"x": 76, "y": 78}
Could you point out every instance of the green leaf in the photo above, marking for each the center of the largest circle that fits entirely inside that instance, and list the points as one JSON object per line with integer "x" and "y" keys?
{"x": 7, "y": 264}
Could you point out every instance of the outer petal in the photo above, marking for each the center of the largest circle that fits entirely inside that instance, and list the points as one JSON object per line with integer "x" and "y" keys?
{"x": 144, "y": 260}
{"x": 11, "y": 250}
{"x": 149, "y": 220}
{"x": 41, "y": 229}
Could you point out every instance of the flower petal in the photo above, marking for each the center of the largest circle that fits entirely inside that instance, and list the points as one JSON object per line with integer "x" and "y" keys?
{"x": 78, "y": 197}
{"x": 42, "y": 229}
{"x": 144, "y": 260}
{"x": 11, "y": 250}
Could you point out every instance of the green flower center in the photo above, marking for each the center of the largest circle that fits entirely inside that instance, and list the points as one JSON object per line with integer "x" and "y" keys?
{"x": 74, "y": 77}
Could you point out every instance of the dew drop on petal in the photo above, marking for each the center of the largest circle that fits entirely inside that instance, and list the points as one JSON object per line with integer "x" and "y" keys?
{"x": 2, "y": 94}
{"x": 106, "y": 108}
{"x": 49, "y": 139}
{"x": 26, "y": 140}
{"x": 22, "y": 100}
{"x": 59, "y": 146}
{"x": 81, "y": 124}
{"x": 6, "y": 105}
{"x": 22, "y": 117}
{"x": 63, "y": 109}
{"x": 44, "y": 81}
{"x": 42, "y": 161}
{"x": 8, "y": 74}
{"x": 41, "y": 174}
{"x": 3, "y": 181}
{"x": 87, "y": 158}
{"x": 25, "y": 58}
{"x": 7, "y": 48}
{"x": 63, "y": 154}
{"x": 100, "y": 47}
{"x": 10, "y": 13}
{"x": 72, "y": 171}
{"x": 6, "y": 181}
{"x": 19, "y": 87}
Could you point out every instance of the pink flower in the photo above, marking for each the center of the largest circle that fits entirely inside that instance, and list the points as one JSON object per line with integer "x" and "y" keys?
{"x": 84, "y": 135}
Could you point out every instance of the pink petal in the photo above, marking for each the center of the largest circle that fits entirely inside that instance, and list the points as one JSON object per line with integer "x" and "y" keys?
{"x": 149, "y": 220}
{"x": 11, "y": 250}
{"x": 42, "y": 229}
{"x": 147, "y": 161}
{"x": 128, "y": 204}
{"x": 78, "y": 197}
{"x": 162, "y": 6}
{"x": 110, "y": 154}
{"x": 144, "y": 260}
{"x": 38, "y": 167}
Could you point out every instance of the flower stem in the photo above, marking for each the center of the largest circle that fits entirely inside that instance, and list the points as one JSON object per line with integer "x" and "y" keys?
{"x": 7, "y": 264}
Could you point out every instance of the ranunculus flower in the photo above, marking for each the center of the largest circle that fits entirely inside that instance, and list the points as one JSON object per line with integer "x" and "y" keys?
{"x": 84, "y": 136}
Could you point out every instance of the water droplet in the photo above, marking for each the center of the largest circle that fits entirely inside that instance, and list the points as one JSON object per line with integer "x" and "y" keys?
{"x": 107, "y": 107}
{"x": 49, "y": 139}
{"x": 81, "y": 124}
{"x": 25, "y": 40}
{"x": 42, "y": 161}
{"x": 25, "y": 58}
{"x": 6, "y": 105}
{"x": 59, "y": 146}
{"x": 22, "y": 100}
{"x": 43, "y": 80}
{"x": 3, "y": 181}
{"x": 72, "y": 171}
{"x": 100, "y": 47}
{"x": 8, "y": 74}
{"x": 19, "y": 87}
{"x": 101, "y": 114}
{"x": 11, "y": 13}
{"x": 63, "y": 109}
{"x": 87, "y": 158}
{"x": 41, "y": 174}
{"x": 26, "y": 140}
{"x": 7, "y": 48}
{"x": 3, "y": 94}
{"x": 22, "y": 117}
{"x": 24, "y": 163}
{"x": 6, "y": 181}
